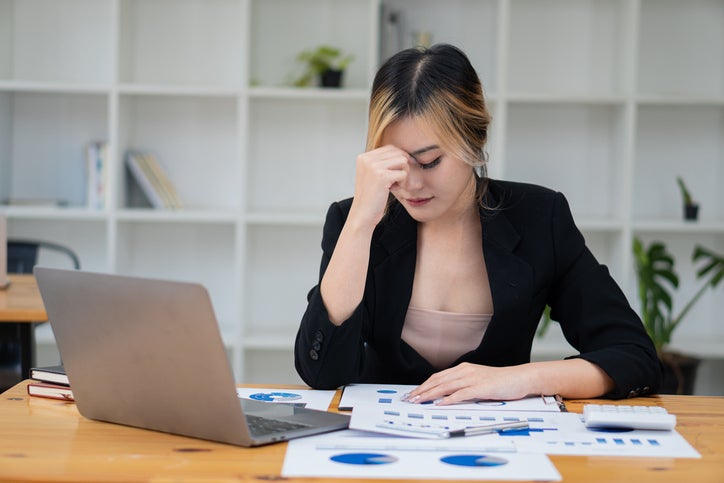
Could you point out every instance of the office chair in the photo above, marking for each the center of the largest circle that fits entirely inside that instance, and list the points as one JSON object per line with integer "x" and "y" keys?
{"x": 18, "y": 339}
{"x": 23, "y": 254}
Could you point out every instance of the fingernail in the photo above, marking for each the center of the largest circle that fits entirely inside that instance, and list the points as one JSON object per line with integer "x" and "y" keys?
{"x": 414, "y": 399}
{"x": 405, "y": 396}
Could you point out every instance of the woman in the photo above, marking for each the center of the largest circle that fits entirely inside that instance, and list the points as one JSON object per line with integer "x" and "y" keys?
{"x": 435, "y": 275}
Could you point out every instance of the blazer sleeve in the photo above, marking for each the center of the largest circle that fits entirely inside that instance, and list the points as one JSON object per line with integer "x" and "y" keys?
{"x": 595, "y": 315}
{"x": 327, "y": 356}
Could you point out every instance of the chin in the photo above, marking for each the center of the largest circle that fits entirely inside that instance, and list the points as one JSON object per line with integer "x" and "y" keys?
{"x": 421, "y": 215}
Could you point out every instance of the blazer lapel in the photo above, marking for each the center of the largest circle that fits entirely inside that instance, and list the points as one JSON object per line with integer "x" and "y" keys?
{"x": 511, "y": 278}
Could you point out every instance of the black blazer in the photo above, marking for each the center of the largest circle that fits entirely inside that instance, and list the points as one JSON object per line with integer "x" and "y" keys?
{"x": 534, "y": 255}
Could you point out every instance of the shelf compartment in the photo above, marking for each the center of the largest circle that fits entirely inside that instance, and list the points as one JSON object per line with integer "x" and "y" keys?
{"x": 47, "y": 133}
{"x": 609, "y": 248}
{"x": 471, "y": 25}
{"x": 148, "y": 215}
{"x": 53, "y": 87}
{"x": 87, "y": 238}
{"x": 282, "y": 266}
{"x": 570, "y": 47}
{"x": 287, "y": 219}
{"x": 180, "y": 90}
{"x": 703, "y": 322}
{"x": 575, "y": 149}
{"x": 677, "y": 225}
{"x": 184, "y": 251}
{"x": 681, "y": 48}
{"x": 319, "y": 93}
{"x": 345, "y": 24}
{"x": 201, "y": 42}
{"x": 42, "y": 213}
{"x": 195, "y": 141}
{"x": 295, "y": 140}
{"x": 678, "y": 141}
{"x": 56, "y": 40}
{"x": 266, "y": 365}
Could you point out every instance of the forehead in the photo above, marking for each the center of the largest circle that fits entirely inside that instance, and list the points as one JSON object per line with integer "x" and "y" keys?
{"x": 410, "y": 134}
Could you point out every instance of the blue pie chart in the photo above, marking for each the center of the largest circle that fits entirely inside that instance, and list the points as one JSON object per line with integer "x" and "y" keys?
{"x": 364, "y": 458}
{"x": 275, "y": 396}
{"x": 473, "y": 460}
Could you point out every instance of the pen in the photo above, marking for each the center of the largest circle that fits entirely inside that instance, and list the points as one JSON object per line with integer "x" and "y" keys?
{"x": 445, "y": 432}
{"x": 489, "y": 428}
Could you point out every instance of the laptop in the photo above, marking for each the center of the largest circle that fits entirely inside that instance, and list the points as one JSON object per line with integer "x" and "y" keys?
{"x": 148, "y": 353}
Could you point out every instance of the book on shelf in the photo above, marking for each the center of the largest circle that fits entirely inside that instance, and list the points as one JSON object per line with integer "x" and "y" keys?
{"x": 151, "y": 178}
{"x": 50, "y": 374}
{"x": 96, "y": 156}
{"x": 53, "y": 391}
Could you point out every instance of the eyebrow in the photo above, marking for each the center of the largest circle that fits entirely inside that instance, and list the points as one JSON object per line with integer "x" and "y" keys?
{"x": 423, "y": 150}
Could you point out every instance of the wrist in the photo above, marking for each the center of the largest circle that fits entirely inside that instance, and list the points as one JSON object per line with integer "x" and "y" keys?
{"x": 359, "y": 223}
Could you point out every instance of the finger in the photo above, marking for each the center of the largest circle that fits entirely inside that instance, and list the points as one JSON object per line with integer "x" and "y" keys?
{"x": 456, "y": 397}
{"x": 435, "y": 388}
{"x": 395, "y": 178}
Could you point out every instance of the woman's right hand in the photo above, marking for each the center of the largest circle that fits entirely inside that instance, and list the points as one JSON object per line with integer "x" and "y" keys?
{"x": 378, "y": 172}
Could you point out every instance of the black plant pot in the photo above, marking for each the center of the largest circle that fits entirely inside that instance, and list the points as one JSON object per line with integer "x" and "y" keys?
{"x": 691, "y": 212}
{"x": 331, "y": 78}
{"x": 679, "y": 373}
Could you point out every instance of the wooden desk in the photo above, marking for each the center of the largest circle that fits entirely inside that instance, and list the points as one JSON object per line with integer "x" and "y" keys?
{"x": 47, "y": 440}
{"x": 21, "y": 307}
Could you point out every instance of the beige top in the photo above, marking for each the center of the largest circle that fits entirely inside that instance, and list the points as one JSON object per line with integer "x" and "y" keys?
{"x": 442, "y": 337}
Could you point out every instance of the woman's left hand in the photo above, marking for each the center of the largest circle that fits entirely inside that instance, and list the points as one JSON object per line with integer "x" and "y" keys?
{"x": 467, "y": 381}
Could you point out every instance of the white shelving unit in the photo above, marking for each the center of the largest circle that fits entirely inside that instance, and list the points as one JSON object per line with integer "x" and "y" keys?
{"x": 605, "y": 100}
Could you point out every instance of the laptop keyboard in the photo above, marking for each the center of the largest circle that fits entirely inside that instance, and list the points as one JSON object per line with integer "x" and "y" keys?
{"x": 259, "y": 425}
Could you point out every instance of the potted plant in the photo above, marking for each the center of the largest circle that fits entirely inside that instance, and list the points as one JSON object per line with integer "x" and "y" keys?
{"x": 325, "y": 63}
{"x": 657, "y": 279}
{"x": 691, "y": 208}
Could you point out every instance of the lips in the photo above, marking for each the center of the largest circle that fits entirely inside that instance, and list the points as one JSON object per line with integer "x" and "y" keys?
{"x": 418, "y": 201}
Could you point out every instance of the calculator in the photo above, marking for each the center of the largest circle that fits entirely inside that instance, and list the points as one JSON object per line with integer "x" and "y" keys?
{"x": 627, "y": 417}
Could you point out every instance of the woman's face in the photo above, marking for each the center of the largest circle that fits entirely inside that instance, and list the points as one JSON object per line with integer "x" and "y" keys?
{"x": 438, "y": 186}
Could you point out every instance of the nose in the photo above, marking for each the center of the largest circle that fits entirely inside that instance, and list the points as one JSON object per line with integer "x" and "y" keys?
{"x": 413, "y": 181}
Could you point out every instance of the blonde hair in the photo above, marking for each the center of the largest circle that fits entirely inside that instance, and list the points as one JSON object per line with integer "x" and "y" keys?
{"x": 439, "y": 86}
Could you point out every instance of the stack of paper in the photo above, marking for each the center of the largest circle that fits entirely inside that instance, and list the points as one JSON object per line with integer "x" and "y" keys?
{"x": 375, "y": 447}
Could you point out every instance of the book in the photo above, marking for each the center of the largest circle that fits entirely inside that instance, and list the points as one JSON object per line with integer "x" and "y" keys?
{"x": 53, "y": 391}
{"x": 96, "y": 154}
{"x": 152, "y": 180}
{"x": 50, "y": 374}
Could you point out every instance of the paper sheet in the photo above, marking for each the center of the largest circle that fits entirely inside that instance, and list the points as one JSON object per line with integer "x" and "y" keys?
{"x": 354, "y": 454}
{"x": 390, "y": 394}
{"x": 307, "y": 398}
{"x": 550, "y": 433}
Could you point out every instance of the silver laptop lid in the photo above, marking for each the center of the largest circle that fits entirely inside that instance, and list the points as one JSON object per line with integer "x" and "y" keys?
{"x": 148, "y": 353}
{"x": 144, "y": 353}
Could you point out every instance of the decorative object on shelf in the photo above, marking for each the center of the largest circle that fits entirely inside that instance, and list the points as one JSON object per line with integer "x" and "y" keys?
{"x": 691, "y": 208}
{"x": 656, "y": 279}
{"x": 153, "y": 181}
{"x": 325, "y": 63}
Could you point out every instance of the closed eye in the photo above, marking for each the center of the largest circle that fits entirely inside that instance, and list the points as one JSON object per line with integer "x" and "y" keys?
{"x": 431, "y": 164}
